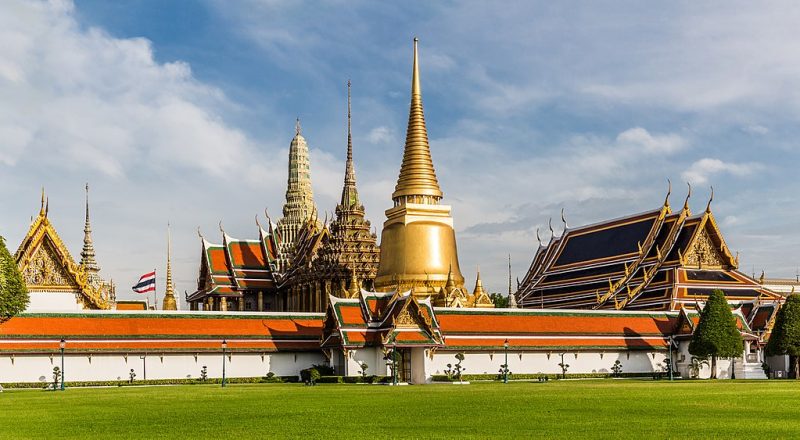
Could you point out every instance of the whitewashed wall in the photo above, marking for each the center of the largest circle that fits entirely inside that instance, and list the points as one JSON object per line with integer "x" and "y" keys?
{"x": 538, "y": 362}
{"x": 82, "y": 367}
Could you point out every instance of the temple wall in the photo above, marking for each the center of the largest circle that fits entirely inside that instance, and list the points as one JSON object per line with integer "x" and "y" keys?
{"x": 83, "y": 367}
{"x": 539, "y": 362}
{"x": 53, "y": 302}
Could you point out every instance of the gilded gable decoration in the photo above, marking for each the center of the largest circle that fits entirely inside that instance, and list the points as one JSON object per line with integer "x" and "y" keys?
{"x": 47, "y": 266}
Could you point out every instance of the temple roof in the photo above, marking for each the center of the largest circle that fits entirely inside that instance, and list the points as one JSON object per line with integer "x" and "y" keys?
{"x": 47, "y": 265}
{"x": 230, "y": 268}
{"x": 160, "y": 332}
{"x": 654, "y": 260}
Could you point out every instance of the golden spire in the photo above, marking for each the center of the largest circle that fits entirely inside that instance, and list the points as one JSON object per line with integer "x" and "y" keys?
{"x": 88, "y": 261}
{"x": 349, "y": 191}
{"x": 417, "y": 175}
{"x": 478, "y": 286}
{"x": 41, "y": 210}
{"x": 169, "y": 295}
{"x": 355, "y": 288}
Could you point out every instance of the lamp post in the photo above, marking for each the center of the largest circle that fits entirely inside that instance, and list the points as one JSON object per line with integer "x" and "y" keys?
{"x": 62, "y": 345}
{"x": 505, "y": 367}
{"x": 224, "y": 347}
{"x": 671, "y": 365}
{"x": 394, "y": 364}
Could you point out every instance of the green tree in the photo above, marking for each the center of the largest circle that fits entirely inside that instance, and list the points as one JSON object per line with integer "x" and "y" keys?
{"x": 785, "y": 337}
{"x": 500, "y": 301}
{"x": 716, "y": 335}
{"x": 13, "y": 293}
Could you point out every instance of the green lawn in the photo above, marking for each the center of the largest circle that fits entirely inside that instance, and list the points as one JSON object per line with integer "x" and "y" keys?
{"x": 558, "y": 409}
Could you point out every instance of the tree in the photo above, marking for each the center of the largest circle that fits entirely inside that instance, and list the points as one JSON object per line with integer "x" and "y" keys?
{"x": 500, "y": 301}
{"x": 716, "y": 335}
{"x": 785, "y": 337}
{"x": 13, "y": 293}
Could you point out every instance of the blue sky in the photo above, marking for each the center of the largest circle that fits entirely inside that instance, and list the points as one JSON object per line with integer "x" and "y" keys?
{"x": 182, "y": 112}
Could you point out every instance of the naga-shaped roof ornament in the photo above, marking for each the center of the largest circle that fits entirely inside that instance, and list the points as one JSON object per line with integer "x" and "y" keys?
{"x": 538, "y": 238}
{"x": 564, "y": 220}
{"x": 550, "y": 225}
{"x": 688, "y": 196}
{"x": 669, "y": 193}
{"x": 711, "y": 199}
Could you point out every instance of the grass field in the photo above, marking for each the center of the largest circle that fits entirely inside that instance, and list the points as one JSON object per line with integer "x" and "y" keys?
{"x": 558, "y": 409}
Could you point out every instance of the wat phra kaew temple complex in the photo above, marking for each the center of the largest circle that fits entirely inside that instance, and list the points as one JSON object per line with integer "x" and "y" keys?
{"x": 305, "y": 290}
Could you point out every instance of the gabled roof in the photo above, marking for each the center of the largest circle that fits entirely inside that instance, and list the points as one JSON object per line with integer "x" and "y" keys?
{"x": 46, "y": 264}
{"x": 380, "y": 319}
{"x": 655, "y": 260}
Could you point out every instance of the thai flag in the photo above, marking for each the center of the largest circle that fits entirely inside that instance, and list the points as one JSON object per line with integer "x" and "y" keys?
{"x": 147, "y": 283}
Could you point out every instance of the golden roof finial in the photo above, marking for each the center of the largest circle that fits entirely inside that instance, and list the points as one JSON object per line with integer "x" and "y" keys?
{"x": 41, "y": 210}
{"x": 417, "y": 175}
{"x": 711, "y": 199}
{"x": 688, "y": 196}
{"x": 669, "y": 193}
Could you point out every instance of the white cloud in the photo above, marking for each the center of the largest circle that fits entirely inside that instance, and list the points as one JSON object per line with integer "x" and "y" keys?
{"x": 639, "y": 137}
{"x": 380, "y": 135}
{"x": 104, "y": 103}
{"x": 702, "y": 170}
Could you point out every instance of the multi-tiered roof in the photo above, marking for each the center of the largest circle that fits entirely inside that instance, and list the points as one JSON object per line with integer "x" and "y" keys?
{"x": 655, "y": 260}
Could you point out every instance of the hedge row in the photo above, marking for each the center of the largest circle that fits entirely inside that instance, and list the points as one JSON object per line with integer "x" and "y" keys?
{"x": 122, "y": 383}
{"x": 479, "y": 377}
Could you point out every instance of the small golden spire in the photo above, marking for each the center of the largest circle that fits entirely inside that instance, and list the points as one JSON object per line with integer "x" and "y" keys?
{"x": 41, "y": 210}
{"x": 478, "y": 286}
{"x": 169, "y": 302}
{"x": 355, "y": 288}
{"x": 297, "y": 129}
{"x": 417, "y": 175}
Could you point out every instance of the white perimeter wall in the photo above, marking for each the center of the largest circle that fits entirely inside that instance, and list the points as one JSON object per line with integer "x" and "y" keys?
{"x": 538, "y": 362}
{"x": 82, "y": 367}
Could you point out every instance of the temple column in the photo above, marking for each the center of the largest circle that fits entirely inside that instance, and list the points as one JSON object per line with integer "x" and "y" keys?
{"x": 210, "y": 303}
{"x": 241, "y": 304}
{"x": 260, "y": 301}
{"x": 223, "y": 304}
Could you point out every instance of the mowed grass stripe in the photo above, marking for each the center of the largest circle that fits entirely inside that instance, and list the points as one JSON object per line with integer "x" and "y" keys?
{"x": 558, "y": 409}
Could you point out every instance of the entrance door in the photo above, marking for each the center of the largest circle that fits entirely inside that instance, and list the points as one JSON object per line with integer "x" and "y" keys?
{"x": 405, "y": 365}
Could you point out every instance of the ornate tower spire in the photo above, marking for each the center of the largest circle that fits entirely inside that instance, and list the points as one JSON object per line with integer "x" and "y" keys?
{"x": 417, "y": 182}
{"x": 299, "y": 206}
{"x": 349, "y": 191}
{"x": 169, "y": 303}
{"x": 88, "y": 261}
{"x": 418, "y": 243}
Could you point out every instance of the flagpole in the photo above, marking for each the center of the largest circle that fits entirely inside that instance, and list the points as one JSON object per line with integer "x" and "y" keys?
{"x": 155, "y": 290}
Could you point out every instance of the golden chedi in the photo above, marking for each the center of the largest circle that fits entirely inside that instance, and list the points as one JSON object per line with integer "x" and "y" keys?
{"x": 418, "y": 243}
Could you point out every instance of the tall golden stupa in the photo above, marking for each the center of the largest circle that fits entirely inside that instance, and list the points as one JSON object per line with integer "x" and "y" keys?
{"x": 418, "y": 243}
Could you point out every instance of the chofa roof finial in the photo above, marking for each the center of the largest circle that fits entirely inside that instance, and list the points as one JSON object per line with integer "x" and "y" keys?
{"x": 564, "y": 220}
{"x": 688, "y": 196}
{"x": 711, "y": 199}
{"x": 550, "y": 225}
{"x": 669, "y": 193}
{"x": 538, "y": 238}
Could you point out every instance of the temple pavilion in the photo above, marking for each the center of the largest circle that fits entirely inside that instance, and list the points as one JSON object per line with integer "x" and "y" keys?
{"x": 657, "y": 260}
{"x": 53, "y": 278}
